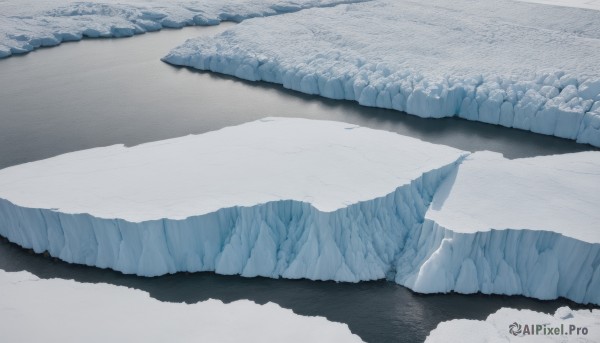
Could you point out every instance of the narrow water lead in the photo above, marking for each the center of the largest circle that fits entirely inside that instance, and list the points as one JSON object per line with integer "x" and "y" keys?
{"x": 377, "y": 311}
{"x": 99, "y": 92}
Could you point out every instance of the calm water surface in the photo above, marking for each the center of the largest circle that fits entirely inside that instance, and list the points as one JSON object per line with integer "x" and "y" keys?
{"x": 102, "y": 92}
{"x": 377, "y": 311}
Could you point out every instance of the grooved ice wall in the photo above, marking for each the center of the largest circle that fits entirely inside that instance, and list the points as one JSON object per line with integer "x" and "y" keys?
{"x": 298, "y": 198}
{"x": 283, "y": 238}
{"x": 528, "y": 66}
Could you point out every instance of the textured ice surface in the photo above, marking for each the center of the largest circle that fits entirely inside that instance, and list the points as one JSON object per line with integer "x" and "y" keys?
{"x": 528, "y": 66}
{"x": 37, "y": 310}
{"x": 591, "y": 4}
{"x": 496, "y": 327}
{"x": 28, "y": 24}
{"x": 297, "y": 198}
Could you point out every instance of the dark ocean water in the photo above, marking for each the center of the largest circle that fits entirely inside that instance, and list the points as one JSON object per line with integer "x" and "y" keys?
{"x": 107, "y": 91}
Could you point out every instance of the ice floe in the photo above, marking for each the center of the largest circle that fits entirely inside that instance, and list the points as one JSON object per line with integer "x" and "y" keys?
{"x": 522, "y": 65}
{"x": 56, "y": 310}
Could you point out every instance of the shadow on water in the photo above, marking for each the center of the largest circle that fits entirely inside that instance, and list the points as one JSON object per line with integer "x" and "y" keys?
{"x": 453, "y": 131}
{"x": 377, "y": 311}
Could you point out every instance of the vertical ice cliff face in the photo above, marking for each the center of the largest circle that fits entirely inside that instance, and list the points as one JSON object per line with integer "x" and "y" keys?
{"x": 527, "y": 66}
{"x": 538, "y": 264}
{"x": 525, "y": 226}
{"x": 284, "y": 238}
{"x": 280, "y": 205}
{"x": 255, "y": 199}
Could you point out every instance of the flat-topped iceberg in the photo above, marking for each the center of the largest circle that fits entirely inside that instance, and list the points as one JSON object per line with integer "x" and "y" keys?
{"x": 512, "y": 325}
{"x": 522, "y": 65}
{"x": 28, "y": 24}
{"x": 329, "y": 165}
{"x": 56, "y": 310}
{"x": 299, "y": 198}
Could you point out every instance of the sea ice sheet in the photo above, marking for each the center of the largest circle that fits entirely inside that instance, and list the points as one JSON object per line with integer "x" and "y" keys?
{"x": 277, "y": 197}
{"x": 28, "y": 24}
{"x": 523, "y": 65}
{"x": 591, "y": 4}
{"x": 56, "y": 310}
{"x": 497, "y": 326}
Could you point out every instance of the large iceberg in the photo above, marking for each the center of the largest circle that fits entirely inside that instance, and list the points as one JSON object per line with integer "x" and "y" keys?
{"x": 278, "y": 197}
{"x": 522, "y": 65}
{"x": 55, "y": 310}
{"x": 512, "y": 325}
{"x": 298, "y": 198}
{"x": 28, "y": 24}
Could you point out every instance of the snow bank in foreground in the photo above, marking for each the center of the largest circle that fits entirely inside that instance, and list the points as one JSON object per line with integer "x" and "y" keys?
{"x": 497, "y": 327}
{"x": 528, "y": 66}
{"x": 27, "y": 25}
{"x": 297, "y": 198}
{"x": 56, "y": 310}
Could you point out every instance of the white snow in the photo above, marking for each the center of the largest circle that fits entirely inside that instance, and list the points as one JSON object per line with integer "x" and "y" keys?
{"x": 28, "y": 24}
{"x": 590, "y": 4}
{"x": 298, "y": 198}
{"x": 523, "y": 65}
{"x": 526, "y": 226}
{"x": 496, "y": 327}
{"x": 327, "y": 164}
{"x": 56, "y": 310}
{"x": 559, "y": 193}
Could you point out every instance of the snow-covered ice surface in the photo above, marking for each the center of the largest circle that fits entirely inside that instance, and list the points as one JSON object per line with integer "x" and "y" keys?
{"x": 28, "y": 24}
{"x": 496, "y": 327}
{"x": 328, "y": 164}
{"x": 525, "y": 226}
{"x": 523, "y": 65}
{"x": 590, "y": 4}
{"x": 298, "y": 198}
{"x": 56, "y": 310}
{"x": 552, "y": 193}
